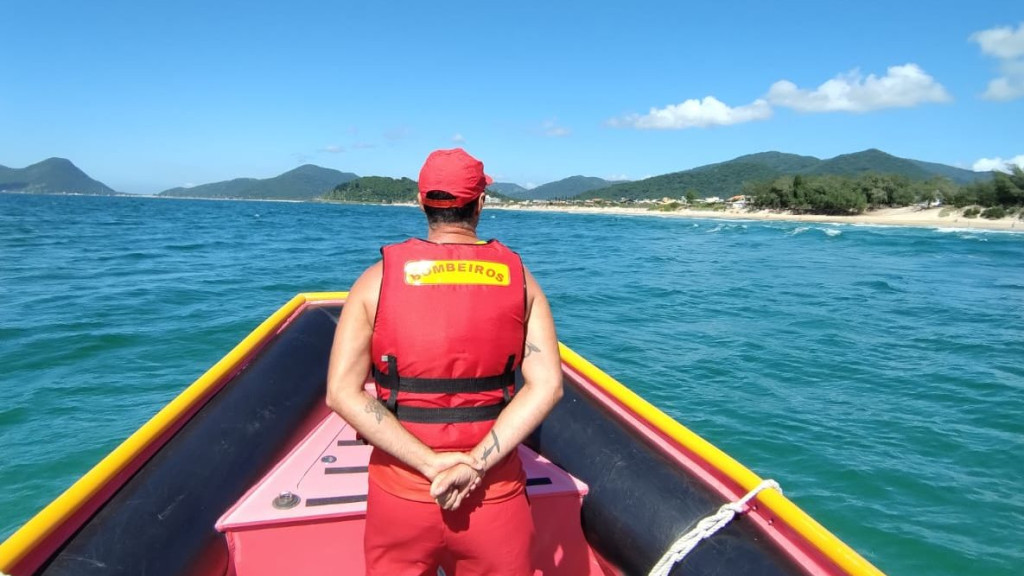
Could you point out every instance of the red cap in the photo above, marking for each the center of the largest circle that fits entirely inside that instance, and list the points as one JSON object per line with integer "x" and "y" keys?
{"x": 455, "y": 172}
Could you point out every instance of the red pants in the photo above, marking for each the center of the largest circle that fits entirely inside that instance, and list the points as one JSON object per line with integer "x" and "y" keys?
{"x": 409, "y": 538}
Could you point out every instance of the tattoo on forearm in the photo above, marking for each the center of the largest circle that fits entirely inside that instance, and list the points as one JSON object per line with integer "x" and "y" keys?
{"x": 376, "y": 408}
{"x": 530, "y": 349}
{"x": 492, "y": 448}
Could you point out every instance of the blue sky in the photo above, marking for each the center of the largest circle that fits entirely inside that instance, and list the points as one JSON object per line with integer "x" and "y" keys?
{"x": 145, "y": 96}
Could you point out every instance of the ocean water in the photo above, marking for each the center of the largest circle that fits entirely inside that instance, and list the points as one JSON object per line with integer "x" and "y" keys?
{"x": 876, "y": 373}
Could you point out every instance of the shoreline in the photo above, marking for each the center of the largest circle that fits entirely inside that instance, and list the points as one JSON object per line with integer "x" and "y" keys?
{"x": 908, "y": 216}
{"x": 905, "y": 217}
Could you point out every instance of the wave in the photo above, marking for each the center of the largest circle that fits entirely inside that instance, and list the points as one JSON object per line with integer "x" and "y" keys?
{"x": 878, "y": 285}
{"x": 827, "y": 231}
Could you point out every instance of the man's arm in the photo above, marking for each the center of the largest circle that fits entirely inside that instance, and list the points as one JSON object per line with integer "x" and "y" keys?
{"x": 542, "y": 385}
{"x": 346, "y": 375}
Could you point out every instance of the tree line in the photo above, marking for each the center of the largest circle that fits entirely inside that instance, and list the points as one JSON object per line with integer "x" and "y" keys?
{"x": 829, "y": 194}
{"x": 374, "y": 189}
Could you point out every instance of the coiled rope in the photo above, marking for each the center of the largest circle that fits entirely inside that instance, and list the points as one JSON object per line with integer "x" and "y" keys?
{"x": 706, "y": 528}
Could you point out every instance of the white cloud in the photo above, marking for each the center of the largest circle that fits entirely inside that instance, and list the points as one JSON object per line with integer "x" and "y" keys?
{"x": 1003, "y": 42}
{"x": 990, "y": 164}
{"x": 459, "y": 138}
{"x": 1007, "y": 45}
{"x": 551, "y": 129}
{"x": 1005, "y": 88}
{"x": 901, "y": 87}
{"x": 397, "y": 134}
{"x": 694, "y": 113}
{"x": 333, "y": 149}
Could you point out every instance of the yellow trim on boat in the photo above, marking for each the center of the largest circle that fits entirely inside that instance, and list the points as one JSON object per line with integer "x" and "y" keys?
{"x": 829, "y": 545}
{"x": 64, "y": 506}
{"x": 317, "y": 297}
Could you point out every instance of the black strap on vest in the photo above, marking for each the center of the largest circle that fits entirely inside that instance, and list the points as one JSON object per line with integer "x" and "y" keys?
{"x": 449, "y": 415}
{"x": 394, "y": 382}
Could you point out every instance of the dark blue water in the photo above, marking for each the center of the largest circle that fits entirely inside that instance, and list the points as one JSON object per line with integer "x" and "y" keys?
{"x": 876, "y": 373}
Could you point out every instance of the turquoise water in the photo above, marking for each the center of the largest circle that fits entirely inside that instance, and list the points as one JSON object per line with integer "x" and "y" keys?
{"x": 876, "y": 373}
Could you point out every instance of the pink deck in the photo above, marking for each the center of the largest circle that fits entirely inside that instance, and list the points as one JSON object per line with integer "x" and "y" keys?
{"x": 327, "y": 470}
{"x": 322, "y": 532}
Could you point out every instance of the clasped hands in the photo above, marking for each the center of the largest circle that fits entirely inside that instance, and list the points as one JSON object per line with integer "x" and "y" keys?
{"x": 453, "y": 475}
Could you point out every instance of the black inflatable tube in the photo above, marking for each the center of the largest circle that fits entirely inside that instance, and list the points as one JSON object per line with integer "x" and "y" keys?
{"x": 161, "y": 522}
{"x": 639, "y": 502}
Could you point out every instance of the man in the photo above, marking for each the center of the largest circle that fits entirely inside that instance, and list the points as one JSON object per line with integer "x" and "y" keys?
{"x": 443, "y": 324}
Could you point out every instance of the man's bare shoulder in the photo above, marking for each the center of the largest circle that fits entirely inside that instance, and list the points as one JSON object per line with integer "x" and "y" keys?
{"x": 532, "y": 286}
{"x": 370, "y": 277}
{"x": 533, "y": 290}
{"x": 366, "y": 289}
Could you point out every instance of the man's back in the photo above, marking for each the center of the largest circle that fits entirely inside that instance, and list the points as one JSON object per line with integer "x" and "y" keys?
{"x": 462, "y": 373}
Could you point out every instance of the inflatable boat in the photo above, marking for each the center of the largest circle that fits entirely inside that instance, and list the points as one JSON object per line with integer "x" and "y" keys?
{"x": 248, "y": 473}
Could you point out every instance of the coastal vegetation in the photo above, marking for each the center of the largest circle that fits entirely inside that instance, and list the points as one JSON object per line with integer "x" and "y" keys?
{"x": 839, "y": 195}
{"x": 374, "y": 189}
{"x": 383, "y": 190}
{"x": 673, "y": 206}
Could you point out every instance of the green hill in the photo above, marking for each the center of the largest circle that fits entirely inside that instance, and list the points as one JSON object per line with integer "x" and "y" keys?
{"x": 870, "y": 161}
{"x": 566, "y": 188}
{"x": 958, "y": 175}
{"x": 307, "y": 182}
{"x": 507, "y": 189}
{"x": 51, "y": 176}
{"x": 386, "y": 190}
{"x": 781, "y": 161}
{"x": 726, "y": 179}
{"x": 374, "y": 189}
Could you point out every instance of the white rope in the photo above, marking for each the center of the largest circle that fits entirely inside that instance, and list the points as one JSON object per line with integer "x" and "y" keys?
{"x": 706, "y": 528}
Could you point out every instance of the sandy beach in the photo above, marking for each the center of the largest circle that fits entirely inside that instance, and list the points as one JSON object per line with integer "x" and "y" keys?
{"x": 907, "y": 216}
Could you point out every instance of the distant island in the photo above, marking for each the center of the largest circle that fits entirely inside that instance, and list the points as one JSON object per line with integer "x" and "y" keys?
{"x": 384, "y": 190}
{"x": 571, "y": 187}
{"x": 51, "y": 176}
{"x": 847, "y": 184}
{"x": 307, "y": 182}
{"x": 374, "y": 189}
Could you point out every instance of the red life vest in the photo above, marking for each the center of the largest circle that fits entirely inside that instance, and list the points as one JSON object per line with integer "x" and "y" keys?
{"x": 448, "y": 335}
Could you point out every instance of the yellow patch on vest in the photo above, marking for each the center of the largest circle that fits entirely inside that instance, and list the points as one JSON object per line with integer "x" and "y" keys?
{"x": 434, "y": 272}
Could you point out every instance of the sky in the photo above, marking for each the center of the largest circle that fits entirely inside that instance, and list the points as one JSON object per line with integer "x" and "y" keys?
{"x": 146, "y": 96}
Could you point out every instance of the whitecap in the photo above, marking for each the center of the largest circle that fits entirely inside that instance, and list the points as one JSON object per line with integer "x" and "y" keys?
{"x": 973, "y": 232}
